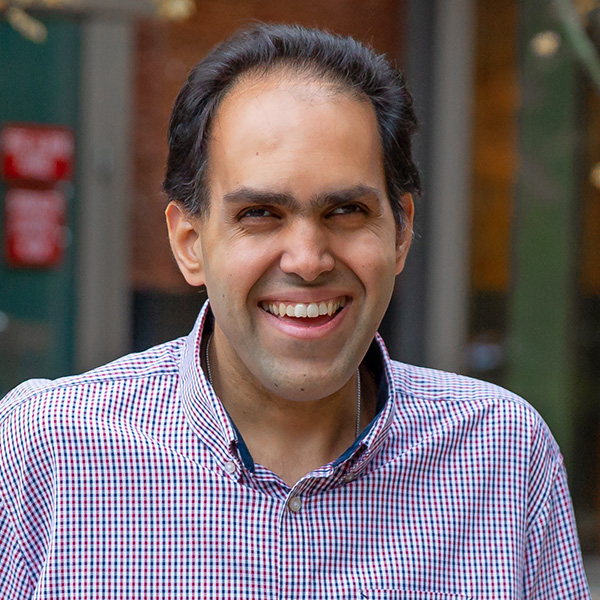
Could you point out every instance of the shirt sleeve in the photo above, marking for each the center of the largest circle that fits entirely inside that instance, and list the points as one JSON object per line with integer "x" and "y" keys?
{"x": 15, "y": 582}
{"x": 554, "y": 567}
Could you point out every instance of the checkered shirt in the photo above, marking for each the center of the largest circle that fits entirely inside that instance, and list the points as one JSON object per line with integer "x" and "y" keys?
{"x": 130, "y": 482}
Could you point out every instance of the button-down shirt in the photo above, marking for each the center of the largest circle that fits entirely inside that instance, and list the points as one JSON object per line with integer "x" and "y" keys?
{"x": 132, "y": 482}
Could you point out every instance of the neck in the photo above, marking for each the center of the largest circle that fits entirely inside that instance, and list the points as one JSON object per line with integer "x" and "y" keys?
{"x": 291, "y": 438}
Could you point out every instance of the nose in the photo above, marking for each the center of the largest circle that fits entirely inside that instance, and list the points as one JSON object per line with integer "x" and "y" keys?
{"x": 307, "y": 251}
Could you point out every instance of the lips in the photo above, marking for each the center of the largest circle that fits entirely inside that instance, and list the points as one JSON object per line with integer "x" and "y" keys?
{"x": 304, "y": 310}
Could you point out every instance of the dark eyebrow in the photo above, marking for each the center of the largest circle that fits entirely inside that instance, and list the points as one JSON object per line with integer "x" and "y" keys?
{"x": 346, "y": 195}
{"x": 247, "y": 194}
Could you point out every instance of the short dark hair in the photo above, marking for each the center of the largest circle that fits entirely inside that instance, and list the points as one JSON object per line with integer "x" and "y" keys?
{"x": 262, "y": 49}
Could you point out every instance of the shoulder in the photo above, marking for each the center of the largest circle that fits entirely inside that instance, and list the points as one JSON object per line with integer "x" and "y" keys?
{"x": 48, "y": 428}
{"x": 443, "y": 386}
{"x": 36, "y": 400}
{"x": 448, "y": 402}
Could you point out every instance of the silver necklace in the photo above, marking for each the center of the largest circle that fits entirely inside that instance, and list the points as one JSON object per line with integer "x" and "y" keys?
{"x": 358, "y": 405}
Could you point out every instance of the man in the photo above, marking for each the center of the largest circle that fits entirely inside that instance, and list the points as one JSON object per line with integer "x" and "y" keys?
{"x": 277, "y": 452}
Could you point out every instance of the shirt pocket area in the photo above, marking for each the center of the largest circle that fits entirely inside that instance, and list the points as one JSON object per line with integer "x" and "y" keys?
{"x": 409, "y": 595}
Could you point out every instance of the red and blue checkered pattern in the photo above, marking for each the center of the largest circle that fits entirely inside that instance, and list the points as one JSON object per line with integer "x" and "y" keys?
{"x": 127, "y": 483}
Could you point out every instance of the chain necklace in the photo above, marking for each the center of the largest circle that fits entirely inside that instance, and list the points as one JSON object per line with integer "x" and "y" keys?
{"x": 358, "y": 398}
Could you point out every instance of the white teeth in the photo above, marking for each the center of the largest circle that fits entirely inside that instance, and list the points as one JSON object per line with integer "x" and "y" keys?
{"x": 302, "y": 310}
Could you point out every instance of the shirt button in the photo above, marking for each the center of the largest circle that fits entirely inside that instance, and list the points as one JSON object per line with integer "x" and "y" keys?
{"x": 350, "y": 477}
{"x": 295, "y": 504}
{"x": 230, "y": 467}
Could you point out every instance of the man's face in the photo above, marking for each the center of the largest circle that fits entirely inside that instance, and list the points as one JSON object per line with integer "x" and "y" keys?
{"x": 299, "y": 224}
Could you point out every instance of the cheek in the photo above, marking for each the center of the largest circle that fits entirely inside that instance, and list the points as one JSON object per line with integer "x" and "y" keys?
{"x": 373, "y": 261}
{"x": 377, "y": 274}
{"x": 234, "y": 268}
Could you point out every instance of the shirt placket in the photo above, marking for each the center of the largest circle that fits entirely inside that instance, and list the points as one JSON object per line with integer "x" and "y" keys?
{"x": 295, "y": 522}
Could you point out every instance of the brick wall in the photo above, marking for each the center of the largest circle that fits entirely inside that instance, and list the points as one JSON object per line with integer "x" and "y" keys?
{"x": 166, "y": 51}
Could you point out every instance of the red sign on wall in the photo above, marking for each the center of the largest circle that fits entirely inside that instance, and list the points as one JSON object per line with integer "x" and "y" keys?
{"x": 36, "y": 152}
{"x": 34, "y": 225}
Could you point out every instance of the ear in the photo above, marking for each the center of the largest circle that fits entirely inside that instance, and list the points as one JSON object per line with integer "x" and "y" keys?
{"x": 404, "y": 234}
{"x": 185, "y": 240}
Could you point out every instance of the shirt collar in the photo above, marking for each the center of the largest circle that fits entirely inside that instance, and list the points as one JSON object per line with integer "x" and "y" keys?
{"x": 205, "y": 412}
{"x": 211, "y": 422}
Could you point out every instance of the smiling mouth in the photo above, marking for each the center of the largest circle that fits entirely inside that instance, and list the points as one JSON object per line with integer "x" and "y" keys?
{"x": 302, "y": 310}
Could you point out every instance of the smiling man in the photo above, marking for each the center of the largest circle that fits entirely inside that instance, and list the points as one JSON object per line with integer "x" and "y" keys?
{"x": 277, "y": 451}
{"x": 298, "y": 248}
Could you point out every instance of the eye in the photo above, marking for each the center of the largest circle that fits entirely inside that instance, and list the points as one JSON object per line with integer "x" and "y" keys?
{"x": 257, "y": 212}
{"x": 348, "y": 209}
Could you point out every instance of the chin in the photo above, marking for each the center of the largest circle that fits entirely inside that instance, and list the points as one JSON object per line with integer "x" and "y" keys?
{"x": 306, "y": 385}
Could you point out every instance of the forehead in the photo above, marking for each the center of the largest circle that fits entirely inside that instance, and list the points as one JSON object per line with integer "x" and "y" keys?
{"x": 285, "y": 129}
{"x": 284, "y": 84}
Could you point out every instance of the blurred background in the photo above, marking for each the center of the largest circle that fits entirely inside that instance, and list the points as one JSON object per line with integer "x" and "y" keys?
{"x": 503, "y": 280}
